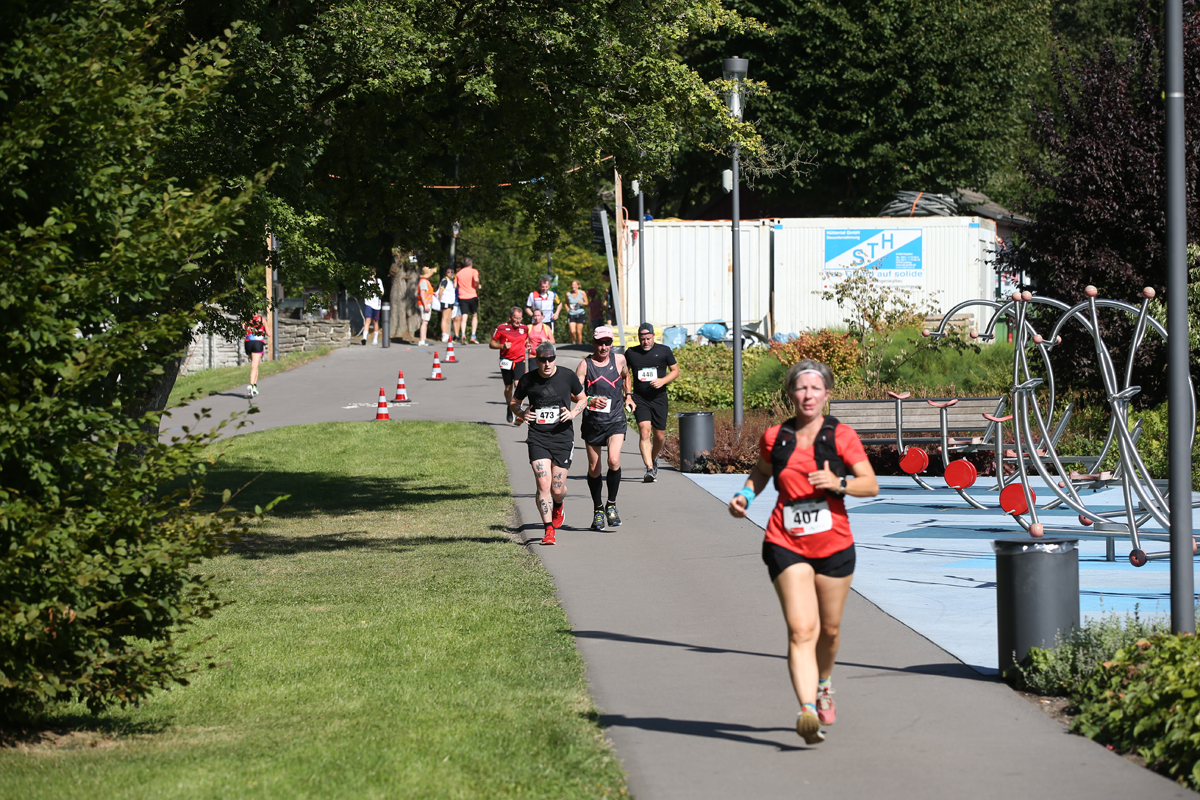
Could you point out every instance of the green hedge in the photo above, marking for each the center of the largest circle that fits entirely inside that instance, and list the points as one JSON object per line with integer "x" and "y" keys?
{"x": 1147, "y": 700}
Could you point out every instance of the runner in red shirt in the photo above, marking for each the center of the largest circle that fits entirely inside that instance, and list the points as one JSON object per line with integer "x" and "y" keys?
{"x": 539, "y": 331}
{"x": 808, "y": 548}
{"x": 511, "y": 339}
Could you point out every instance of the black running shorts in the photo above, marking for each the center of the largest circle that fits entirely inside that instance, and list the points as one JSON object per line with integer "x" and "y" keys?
{"x": 254, "y": 346}
{"x": 513, "y": 375}
{"x": 777, "y": 559}
{"x": 654, "y": 411}
{"x": 468, "y": 305}
{"x": 559, "y": 454}
{"x": 597, "y": 435}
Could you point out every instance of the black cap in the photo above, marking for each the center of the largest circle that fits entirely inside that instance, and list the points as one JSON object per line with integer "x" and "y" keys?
{"x": 645, "y": 327}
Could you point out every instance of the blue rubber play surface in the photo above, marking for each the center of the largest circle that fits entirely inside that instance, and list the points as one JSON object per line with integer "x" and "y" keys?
{"x": 926, "y": 559}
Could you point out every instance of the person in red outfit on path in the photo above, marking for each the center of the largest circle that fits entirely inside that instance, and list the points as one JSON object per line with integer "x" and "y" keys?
{"x": 808, "y": 548}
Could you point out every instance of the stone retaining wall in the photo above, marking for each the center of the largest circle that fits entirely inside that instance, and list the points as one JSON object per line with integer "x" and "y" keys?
{"x": 295, "y": 336}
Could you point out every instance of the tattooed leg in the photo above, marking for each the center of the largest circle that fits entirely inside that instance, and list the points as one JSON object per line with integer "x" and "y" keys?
{"x": 559, "y": 485}
{"x": 542, "y": 470}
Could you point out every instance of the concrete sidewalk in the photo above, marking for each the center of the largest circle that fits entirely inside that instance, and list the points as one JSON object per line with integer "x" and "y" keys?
{"x": 684, "y": 641}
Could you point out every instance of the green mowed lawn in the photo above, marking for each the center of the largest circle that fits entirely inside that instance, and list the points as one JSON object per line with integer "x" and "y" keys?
{"x": 388, "y": 639}
{"x": 210, "y": 381}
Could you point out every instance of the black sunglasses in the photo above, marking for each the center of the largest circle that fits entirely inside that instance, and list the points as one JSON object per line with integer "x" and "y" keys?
{"x": 604, "y": 342}
{"x": 545, "y": 359}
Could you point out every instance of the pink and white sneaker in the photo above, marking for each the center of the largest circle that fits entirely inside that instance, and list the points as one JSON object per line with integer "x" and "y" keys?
{"x": 825, "y": 710}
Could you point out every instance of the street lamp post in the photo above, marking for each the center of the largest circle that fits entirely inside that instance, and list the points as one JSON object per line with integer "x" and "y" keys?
{"x": 735, "y": 69}
{"x": 637, "y": 189}
{"x": 1183, "y": 614}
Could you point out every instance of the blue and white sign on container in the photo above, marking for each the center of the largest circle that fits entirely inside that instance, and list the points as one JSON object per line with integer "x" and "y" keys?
{"x": 896, "y": 253}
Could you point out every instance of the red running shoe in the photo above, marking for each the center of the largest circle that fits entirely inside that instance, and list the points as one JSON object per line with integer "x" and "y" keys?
{"x": 559, "y": 514}
{"x": 548, "y": 536}
{"x": 825, "y": 710}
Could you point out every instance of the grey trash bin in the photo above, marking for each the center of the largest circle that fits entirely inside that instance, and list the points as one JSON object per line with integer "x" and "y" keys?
{"x": 695, "y": 436}
{"x": 1037, "y": 594}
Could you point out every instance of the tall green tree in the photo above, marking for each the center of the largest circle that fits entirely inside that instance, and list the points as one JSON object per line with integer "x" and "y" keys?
{"x": 104, "y": 259}
{"x": 878, "y": 96}
{"x": 1097, "y": 189}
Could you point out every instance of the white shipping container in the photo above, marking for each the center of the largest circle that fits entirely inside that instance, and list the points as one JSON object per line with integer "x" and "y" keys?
{"x": 786, "y": 263}
{"x": 944, "y": 259}
{"x": 689, "y": 272}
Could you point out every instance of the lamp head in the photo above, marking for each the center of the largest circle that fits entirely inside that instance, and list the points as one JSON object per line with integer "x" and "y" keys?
{"x": 735, "y": 69}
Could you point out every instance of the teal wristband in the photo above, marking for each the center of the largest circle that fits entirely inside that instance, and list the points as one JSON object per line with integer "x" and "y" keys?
{"x": 747, "y": 493}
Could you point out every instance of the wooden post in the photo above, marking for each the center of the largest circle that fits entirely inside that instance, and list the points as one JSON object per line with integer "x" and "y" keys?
{"x": 622, "y": 224}
{"x": 266, "y": 356}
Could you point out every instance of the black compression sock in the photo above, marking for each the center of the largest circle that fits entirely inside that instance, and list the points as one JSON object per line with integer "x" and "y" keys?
{"x": 594, "y": 485}
{"x": 614, "y": 483}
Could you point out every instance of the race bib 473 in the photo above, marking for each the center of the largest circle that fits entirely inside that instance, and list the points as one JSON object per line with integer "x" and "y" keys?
{"x": 547, "y": 416}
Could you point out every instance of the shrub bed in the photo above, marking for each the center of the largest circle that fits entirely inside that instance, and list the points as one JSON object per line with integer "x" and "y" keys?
{"x": 1146, "y": 699}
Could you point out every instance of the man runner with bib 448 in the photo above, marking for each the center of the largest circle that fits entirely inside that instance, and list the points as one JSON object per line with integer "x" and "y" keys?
{"x": 551, "y": 436}
{"x": 651, "y": 367}
{"x": 603, "y": 374}
{"x": 510, "y": 339}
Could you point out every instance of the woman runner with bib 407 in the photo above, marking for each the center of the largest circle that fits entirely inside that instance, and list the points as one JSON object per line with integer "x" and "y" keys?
{"x": 808, "y": 549}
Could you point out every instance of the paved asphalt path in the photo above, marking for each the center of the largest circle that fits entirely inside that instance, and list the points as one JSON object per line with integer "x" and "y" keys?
{"x": 684, "y": 641}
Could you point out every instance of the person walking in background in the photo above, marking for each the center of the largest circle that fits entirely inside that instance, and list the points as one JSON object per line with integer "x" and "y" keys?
{"x": 545, "y": 299}
{"x": 447, "y": 298}
{"x": 809, "y": 549}
{"x": 468, "y": 284}
{"x": 551, "y": 439}
{"x": 371, "y": 307}
{"x": 651, "y": 367}
{"x": 425, "y": 301}
{"x": 539, "y": 332}
{"x": 511, "y": 339}
{"x": 255, "y": 344}
{"x": 577, "y": 312}
{"x": 604, "y": 374}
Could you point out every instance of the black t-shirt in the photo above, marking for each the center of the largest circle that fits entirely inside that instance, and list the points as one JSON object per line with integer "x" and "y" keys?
{"x": 658, "y": 358}
{"x": 549, "y": 393}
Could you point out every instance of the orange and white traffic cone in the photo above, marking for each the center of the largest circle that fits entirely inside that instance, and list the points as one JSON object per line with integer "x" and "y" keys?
{"x": 450, "y": 359}
{"x": 381, "y": 412}
{"x": 437, "y": 368}
{"x": 401, "y": 390}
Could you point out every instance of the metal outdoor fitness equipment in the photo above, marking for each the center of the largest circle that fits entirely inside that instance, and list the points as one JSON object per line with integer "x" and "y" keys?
{"x": 1036, "y": 324}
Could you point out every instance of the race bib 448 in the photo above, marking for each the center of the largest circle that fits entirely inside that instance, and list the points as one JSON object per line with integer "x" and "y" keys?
{"x": 647, "y": 374}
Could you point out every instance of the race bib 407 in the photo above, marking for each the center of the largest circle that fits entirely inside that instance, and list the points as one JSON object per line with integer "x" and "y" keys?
{"x": 806, "y": 517}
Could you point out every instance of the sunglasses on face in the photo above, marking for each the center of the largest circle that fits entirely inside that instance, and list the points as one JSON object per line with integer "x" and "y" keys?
{"x": 545, "y": 359}
{"x": 604, "y": 342}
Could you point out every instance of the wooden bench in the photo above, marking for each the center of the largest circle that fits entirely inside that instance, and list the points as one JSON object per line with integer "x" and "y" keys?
{"x": 902, "y": 421}
{"x": 960, "y": 425}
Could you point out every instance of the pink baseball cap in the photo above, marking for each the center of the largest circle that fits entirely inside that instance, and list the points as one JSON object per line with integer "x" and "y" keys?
{"x": 603, "y": 332}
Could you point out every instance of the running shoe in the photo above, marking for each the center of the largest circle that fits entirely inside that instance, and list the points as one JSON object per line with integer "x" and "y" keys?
{"x": 422, "y": 343}
{"x": 509, "y": 417}
{"x": 548, "y": 536}
{"x": 474, "y": 340}
{"x": 250, "y": 390}
{"x": 610, "y": 511}
{"x": 559, "y": 513}
{"x": 254, "y": 389}
{"x": 808, "y": 725}
{"x": 649, "y": 477}
{"x": 825, "y": 710}
{"x": 599, "y": 520}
